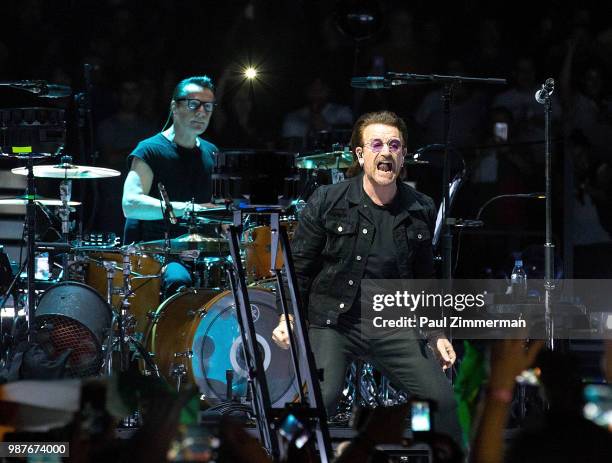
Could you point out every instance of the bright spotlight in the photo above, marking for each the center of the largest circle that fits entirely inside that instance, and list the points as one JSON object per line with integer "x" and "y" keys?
{"x": 250, "y": 73}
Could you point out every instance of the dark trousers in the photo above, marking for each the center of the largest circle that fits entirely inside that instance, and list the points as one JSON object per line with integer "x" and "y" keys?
{"x": 174, "y": 276}
{"x": 401, "y": 356}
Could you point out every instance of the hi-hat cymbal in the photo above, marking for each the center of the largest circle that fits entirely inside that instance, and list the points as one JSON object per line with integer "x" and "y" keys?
{"x": 338, "y": 159}
{"x": 69, "y": 171}
{"x": 187, "y": 242}
{"x": 22, "y": 201}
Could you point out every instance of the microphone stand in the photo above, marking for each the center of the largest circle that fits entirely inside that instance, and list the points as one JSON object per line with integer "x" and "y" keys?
{"x": 446, "y": 242}
{"x": 448, "y": 82}
{"x": 164, "y": 208}
{"x": 393, "y": 79}
{"x": 549, "y": 247}
{"x": 87, "y": 143}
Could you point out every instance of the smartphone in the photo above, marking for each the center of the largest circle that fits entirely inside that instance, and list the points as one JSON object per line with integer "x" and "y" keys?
{"x": 41, "y": 266}
{"x": 598, "y": 404}
{"x": 501, "y": 131}
{"x": 420, "y": 416}
{"x": 294, "y": 431}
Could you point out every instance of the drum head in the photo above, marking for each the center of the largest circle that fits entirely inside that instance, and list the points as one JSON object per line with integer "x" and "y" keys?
{"x": 217, "y": 349}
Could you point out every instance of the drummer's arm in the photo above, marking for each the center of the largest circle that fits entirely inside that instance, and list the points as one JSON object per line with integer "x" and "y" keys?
{"x": 136, "y": 202}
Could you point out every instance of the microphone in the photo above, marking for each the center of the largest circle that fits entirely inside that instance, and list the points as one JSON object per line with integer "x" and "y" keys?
{"x": 547, "y": 89}
{"x": 167, "y": 204}
{"x": 371, "y": 82}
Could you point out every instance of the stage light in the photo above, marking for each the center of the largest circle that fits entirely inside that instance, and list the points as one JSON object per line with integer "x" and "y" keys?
{"x": 250, "y": 73}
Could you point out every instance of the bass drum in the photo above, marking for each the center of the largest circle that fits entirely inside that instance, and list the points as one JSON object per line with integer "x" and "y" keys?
{"x": 197, "y": 336}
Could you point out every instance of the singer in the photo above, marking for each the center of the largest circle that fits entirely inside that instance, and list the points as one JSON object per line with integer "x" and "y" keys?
{"x": 182, "y": 162}
{"x": 370, "y": 226}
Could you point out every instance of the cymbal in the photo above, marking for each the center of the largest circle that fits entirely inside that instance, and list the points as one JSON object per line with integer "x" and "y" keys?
{"x": 69, "y": 171}
{"x": 22, "y": 201}
{"x": 187, "y": 242}
{"x": 26, "y": 155}
{"x": 337, "y": 159}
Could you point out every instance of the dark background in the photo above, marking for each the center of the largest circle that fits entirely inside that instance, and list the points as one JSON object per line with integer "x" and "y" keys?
{"x": 141, "y": 49}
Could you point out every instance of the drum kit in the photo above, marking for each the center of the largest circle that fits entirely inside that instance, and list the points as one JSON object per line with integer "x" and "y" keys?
{"x": 105, "y": 304}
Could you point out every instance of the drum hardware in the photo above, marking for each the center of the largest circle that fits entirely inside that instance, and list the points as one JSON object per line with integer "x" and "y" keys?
{"x": 189, "y": 255}
{"x": 122, "y": 337}
{"x": 361, "y": 388}
{"x": 144, "y": 280}
{"x": 110, "y": 267}
{"x": 23, "y": 129}
{"x": 66, "y": 171}
{"x": 178, "y": 372}
{"x": 206, "y": 245}
{"x": 335, "y": 159}
{"x": 187, "y": 354}
{"x": 229, "y": 380}
{"x": 211, "y": 215}
{"x": 69, "y": 171}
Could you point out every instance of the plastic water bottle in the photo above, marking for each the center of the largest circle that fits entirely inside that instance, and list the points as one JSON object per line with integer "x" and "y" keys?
{"x": 518, "y": 281}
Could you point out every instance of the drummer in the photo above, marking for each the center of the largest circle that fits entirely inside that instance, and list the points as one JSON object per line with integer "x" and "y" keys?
{"x": 182, "y": 161}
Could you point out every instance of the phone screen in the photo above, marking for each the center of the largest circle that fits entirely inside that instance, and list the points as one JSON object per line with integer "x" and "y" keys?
{"x": 293, "y": 430}
{"x": 41, "y": 265}
{"x": 421, "y": 416}
{"x": 501, "y": 130}
{"x": 598, "y": 404}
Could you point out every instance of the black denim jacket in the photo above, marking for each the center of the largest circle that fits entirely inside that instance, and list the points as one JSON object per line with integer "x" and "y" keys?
{"x": 333, "y": 240}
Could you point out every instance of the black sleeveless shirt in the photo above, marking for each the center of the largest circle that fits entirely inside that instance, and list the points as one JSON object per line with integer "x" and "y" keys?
{"x": 185, "y": 172}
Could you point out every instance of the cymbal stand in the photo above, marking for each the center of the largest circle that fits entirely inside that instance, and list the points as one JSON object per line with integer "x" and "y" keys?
{"x": 31, "y": 238}
{"x": 110, "y": 267}
{"x": 125, "y": 307}
{"x": 549, "y": 247}
{"x": 123, "y": 318}
{"x": 64, "y": 212}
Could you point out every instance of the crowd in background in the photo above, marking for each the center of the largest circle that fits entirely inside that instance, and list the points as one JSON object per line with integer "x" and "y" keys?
{"x": 301, "y": 100}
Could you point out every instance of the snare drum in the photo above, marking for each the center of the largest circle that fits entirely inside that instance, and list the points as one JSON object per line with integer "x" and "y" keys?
{"x": 257, "y": 242}
{"x": 145, "y": 282}
{"x": 196, "y": 337}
